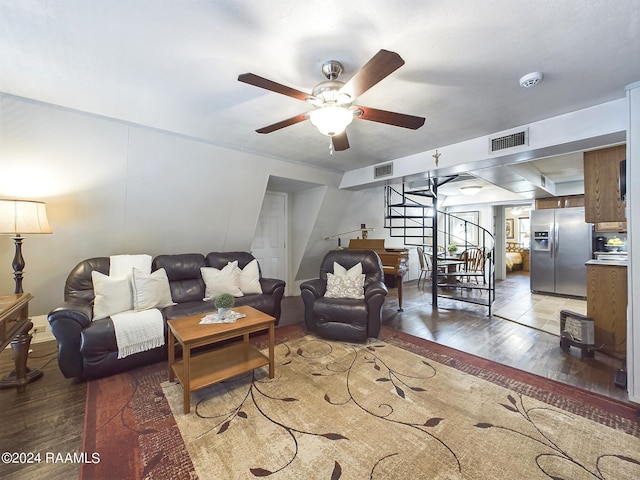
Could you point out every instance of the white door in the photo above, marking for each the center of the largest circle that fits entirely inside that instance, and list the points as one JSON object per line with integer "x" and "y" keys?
{"x": 269, "y": 240}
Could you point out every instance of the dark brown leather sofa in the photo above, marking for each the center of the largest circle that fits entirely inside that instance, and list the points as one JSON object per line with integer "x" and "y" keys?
{"x": 88, "y": 348}
{"x": 347, "y": 319}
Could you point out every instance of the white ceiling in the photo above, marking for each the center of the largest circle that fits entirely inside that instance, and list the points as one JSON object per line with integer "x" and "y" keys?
{"x": 173, "y": 65}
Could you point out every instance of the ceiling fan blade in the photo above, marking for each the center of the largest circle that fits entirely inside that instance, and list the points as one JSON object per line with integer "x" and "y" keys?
{"x": 261, "y": 82}
{"x": 340, "y": 142}
{"x": 284, "y": 123}
{"x": 391, "y": 118}
{"x": 381, "y": 65}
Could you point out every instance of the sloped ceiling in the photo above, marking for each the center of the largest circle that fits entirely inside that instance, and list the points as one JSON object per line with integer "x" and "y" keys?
{"x": 173, "y": 65}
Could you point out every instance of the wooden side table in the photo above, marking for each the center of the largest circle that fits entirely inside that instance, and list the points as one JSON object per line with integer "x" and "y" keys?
{"x": 14, "y": 328}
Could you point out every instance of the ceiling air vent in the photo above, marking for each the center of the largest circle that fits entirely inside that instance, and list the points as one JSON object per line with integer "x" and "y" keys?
{"x": 383, "y": 170}
{"x": 516, "y": 139}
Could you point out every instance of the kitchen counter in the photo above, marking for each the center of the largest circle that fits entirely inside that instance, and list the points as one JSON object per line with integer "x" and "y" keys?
{"x": 608, "y": 263}
{"x": 607, "y": 304}
{"x": 612, "y": 254}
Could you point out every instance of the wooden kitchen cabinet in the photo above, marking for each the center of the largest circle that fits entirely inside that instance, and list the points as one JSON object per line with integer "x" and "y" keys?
{"x": 573, "y": 201}
{"x": 549, "y": 202}
{"x": 567, "y": 201}
{"x": 618, "y": 227}
{"x": 602, "y": 185}
{"x": 607, "y": 305}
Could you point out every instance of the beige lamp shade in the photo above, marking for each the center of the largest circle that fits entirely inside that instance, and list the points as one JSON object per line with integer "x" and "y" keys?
{"x": 18, "y": 217}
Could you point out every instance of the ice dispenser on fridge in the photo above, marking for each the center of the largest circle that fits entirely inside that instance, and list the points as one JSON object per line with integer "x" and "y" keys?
{"x": 541, "y": 241}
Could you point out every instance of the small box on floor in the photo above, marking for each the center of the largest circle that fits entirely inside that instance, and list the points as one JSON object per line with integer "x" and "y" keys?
{"x": 577, "y": 330}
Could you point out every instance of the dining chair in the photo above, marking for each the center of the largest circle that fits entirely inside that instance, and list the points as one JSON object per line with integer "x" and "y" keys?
{"x": 474, "y": 261}
{"x": 425, "y": 265}
{"x": 428, "y": 260}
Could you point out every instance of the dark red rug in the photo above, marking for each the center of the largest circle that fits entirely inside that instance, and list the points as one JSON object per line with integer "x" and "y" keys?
{"x": 129, "y": 423}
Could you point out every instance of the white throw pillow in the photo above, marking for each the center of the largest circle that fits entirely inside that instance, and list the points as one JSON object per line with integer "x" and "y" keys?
{"x": 352, "y": 272}
{"x": 151, "y": 290}
{"x": 122, "y": 265}
{"x": 345, "y": 286}
{"x": 249, "y": 278}
{"x": 112, "y": 295}
{"x": 221, "y": 281}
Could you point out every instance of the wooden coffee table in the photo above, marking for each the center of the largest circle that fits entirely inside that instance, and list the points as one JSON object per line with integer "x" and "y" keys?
{"x": 198, "y": 371}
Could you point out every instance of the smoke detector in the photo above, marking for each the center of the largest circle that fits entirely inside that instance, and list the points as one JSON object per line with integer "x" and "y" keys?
{"x": 531, "y": 79}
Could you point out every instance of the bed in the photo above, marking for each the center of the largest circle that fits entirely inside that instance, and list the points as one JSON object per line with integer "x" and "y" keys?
{"x": 517, "y": 257}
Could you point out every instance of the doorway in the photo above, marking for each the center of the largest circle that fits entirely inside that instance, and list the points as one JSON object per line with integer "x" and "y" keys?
{"x": 269, "y": 240}
{"x": 517, "y": 238}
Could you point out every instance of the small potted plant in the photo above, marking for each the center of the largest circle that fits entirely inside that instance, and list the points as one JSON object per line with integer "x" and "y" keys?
{"x": 452, "y": 248}
{"x": 224, "y": 303}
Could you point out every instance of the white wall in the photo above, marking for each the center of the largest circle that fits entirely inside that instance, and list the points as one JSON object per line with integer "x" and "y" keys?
{"x": 485, "y": 215}
{"x": 633, "y": 238}
{"x": 338, "y": 211}
{"x": 574, "y": 131}
{"x": 112, "y": 187}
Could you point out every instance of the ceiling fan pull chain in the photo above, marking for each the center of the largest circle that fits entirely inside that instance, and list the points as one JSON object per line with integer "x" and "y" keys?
{"x": 331, "y": 146}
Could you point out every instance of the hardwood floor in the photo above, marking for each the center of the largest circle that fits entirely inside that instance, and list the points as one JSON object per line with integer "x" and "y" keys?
{"x": 49, "y": 416}
{"x": 467, "y": 327}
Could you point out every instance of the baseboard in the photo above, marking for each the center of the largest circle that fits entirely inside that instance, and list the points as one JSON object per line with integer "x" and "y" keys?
{"x": 41, "y": 331}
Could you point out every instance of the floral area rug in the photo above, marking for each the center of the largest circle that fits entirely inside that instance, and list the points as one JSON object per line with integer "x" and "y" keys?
{"x": 340, "y": 410}
{"x": 398, "y": 407}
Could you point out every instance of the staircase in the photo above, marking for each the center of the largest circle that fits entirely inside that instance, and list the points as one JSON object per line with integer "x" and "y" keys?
{"x": 411, "y": 215}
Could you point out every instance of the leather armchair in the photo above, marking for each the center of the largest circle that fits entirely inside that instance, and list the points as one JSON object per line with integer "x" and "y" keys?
{"x": 346, "y": 319}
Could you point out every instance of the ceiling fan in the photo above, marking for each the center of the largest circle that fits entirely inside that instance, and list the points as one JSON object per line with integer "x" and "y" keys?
{"x": 333, "y": 100}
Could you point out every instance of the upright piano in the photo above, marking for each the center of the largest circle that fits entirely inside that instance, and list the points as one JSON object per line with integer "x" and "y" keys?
{"x": 394, "y": 260}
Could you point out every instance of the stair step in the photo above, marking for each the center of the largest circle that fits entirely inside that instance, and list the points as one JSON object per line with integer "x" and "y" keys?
{"x": 412, "y": 234}
{"x": 415, "y": 235}
{"x": 409, "y": 205}
{"x": 409, "y": 237}
{"x": 410, "y": 226}
{"x": 421, "y": 193}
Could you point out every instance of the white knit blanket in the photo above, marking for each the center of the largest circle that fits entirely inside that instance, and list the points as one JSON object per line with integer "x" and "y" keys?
{"x": 138, "y": 331}
{"x": 135, "y": 331}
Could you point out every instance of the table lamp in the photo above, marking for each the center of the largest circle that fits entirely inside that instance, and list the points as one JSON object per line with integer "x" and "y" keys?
{"x": 22, "y": 217}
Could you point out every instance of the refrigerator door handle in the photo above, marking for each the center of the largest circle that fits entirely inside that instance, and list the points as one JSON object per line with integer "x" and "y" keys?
{"x": 556, "y": 239}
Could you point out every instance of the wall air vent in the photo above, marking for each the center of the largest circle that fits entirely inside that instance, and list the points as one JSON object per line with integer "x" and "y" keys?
{"x": 513, "y": 140}
{"x": 383, "y": 170}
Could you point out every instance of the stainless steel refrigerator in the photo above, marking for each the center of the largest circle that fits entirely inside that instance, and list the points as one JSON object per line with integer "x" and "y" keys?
{"x": 560, "y": 247}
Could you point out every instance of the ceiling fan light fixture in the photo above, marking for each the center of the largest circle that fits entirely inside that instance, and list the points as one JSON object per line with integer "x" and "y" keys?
{"x": 470, "y": 189}
{"x": 331, "y": 120}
